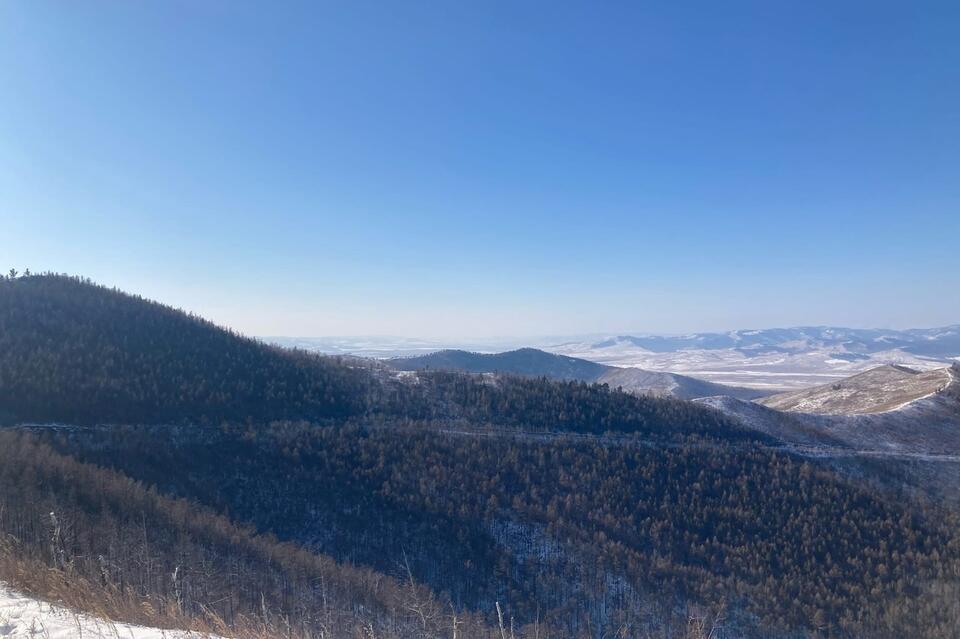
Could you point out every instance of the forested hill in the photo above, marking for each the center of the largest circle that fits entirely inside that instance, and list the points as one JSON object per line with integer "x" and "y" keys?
{"x": 72, "y": 351}
{"x": 523, "y": 361}
{"x": 591, "y": 535}
{"x": 126, "y": 552}
{"x": 75, "y": 352}
{"x": 546, "y": 405}
{"x": 532, "y": 362}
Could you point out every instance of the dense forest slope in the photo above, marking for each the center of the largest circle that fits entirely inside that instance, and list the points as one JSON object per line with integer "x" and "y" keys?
{"x": 96, "y": 540}
{"x": 541, "y": 404}
{"x": 587, "y": 532}
{"x": 78, "y": 353}
{"x": 71, "y": 351}
{"x": 187, "y": 464}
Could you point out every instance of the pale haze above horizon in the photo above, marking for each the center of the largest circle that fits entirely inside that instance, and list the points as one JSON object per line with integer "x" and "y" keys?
{"x": 466, "y": 170}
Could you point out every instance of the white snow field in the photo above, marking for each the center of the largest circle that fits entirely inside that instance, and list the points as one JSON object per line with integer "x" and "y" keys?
{"x": 778, "y": 359}
{"x": 22, "y": 617}
{"x": 771, "y": 370}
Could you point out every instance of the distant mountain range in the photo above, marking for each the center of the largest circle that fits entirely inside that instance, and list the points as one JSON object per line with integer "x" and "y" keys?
{"x": 890, "y": 409}
{"x": 532, "y": 362}
{"x": 926, "y": 342}
{"x": 773, "y": 359}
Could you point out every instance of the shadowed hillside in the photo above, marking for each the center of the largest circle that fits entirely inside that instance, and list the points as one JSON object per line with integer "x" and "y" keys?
{"x": 563, "y": 504}
{"x": 72, "y": 351}
{"x": 78, "y": 353}
{"x": 587, "y": 532}
{"x": 96, "y": 540}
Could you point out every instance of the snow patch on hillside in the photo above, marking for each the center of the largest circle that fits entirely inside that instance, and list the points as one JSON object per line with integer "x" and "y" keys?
{"x": 23, "y": 617}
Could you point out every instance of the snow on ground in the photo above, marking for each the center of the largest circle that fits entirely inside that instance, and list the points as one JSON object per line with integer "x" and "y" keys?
{"x": 875, "y": 420}
{"x": 776, "y": 359}
{"x": 23, "y": 617}
{"x": 879, "y": 390}
{"x": 773, "y": 370}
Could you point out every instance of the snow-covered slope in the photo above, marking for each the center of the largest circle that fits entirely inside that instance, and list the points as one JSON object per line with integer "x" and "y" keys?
{"x": 22, "y": 617}
{"x": 776, "y": 359}
{"x": 662, "y": 384}
{"x": 928, "y": 424}
{"x": 773, "y": 359}
{"x": 877, "y": 390}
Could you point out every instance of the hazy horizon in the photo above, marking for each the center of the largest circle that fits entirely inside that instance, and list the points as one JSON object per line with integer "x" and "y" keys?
{"x": 587, "y": 335}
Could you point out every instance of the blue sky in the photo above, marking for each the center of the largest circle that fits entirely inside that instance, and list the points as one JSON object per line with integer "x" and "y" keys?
{"x": 458, "y": 169}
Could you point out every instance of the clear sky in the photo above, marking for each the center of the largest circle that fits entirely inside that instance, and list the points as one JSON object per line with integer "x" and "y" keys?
{"x": 453, "y": 169}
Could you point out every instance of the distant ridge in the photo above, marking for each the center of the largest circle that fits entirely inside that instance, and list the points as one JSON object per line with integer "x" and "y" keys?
{"x": 532, "y": 362}
{"x": 941, "y": 341}
{"x": 779, "y": 359}
{"x": 529, "y": 362}
{"x": 644, "y": 382}
{"x": 877, "y": 390}
{"x": 888, "y": 408}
